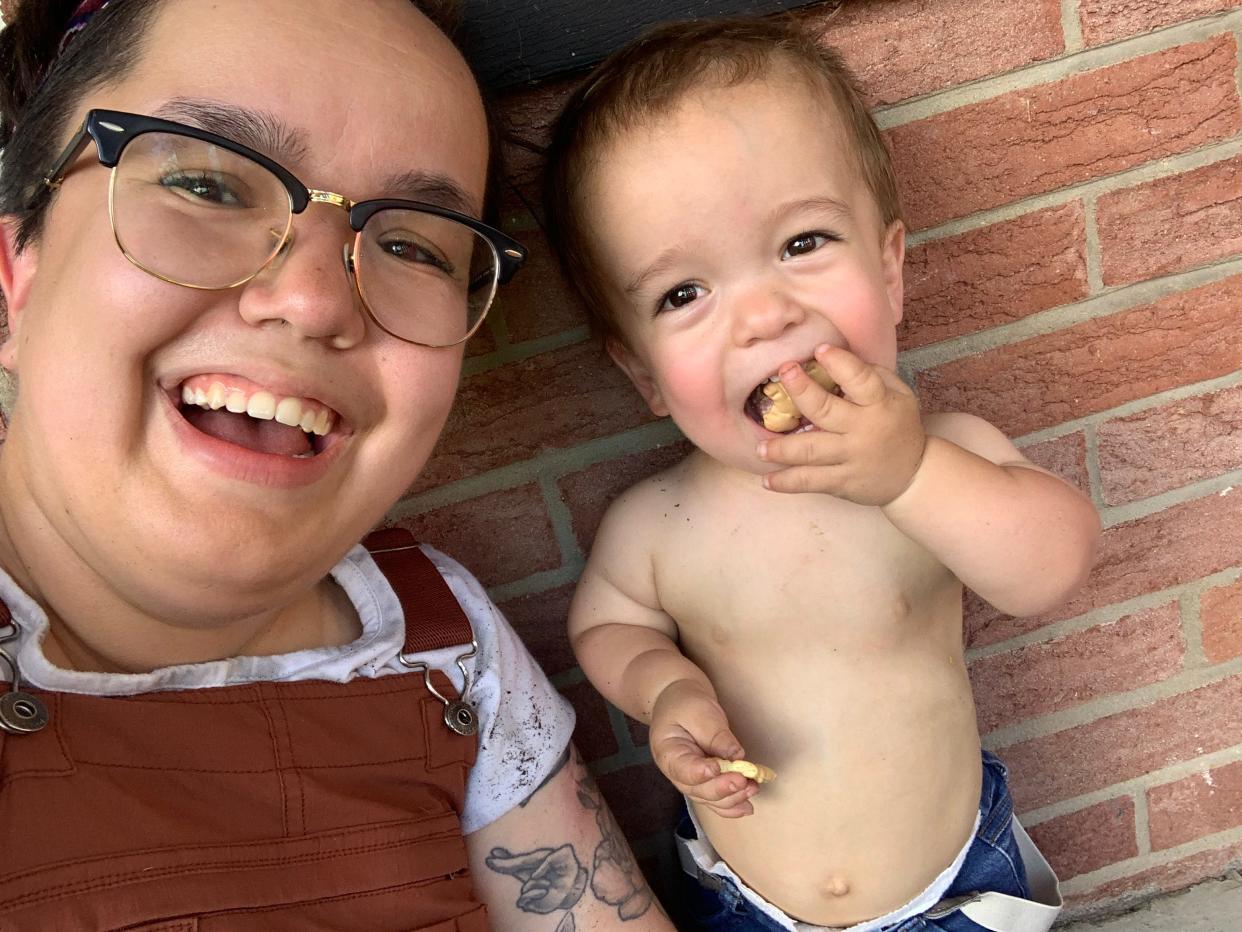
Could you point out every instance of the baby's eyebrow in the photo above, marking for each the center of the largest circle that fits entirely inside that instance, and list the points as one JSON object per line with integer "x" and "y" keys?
{"x": 820, "y": 203}
{"x": 663, "y": 262}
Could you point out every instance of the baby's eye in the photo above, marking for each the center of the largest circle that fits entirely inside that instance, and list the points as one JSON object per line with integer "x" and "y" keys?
{"x": 680, "y": 296}
{"x": 804, "y": 243}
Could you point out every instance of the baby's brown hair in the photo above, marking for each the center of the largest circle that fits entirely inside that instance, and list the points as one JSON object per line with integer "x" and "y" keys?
{"x": 647, "y": 79}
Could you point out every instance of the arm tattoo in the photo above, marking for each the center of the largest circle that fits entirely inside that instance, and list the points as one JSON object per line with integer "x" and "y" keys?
{"x": 555, "y": 879}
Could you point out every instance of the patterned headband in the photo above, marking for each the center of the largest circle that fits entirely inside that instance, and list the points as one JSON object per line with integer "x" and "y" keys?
{"x": 77, "y": 22}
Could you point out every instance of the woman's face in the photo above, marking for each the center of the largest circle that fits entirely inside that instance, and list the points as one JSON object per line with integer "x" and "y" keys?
{"x": 366, "y": 99}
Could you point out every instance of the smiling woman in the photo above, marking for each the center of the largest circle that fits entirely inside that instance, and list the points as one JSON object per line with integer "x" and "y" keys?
{"x": 238, "y": 280}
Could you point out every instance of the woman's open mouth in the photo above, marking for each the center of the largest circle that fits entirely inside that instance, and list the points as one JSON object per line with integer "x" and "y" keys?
{"x": 236, "y": 411}
{"x": 770, "y": 406}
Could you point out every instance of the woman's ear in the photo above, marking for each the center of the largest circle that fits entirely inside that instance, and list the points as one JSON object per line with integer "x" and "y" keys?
{"x": 893, "y": 257}
{"x": 639, "y": 373}
{"x": 16, "y": 277}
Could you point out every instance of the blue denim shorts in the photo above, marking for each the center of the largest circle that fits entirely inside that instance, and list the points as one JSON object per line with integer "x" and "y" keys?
{"x": 714, "y": 904}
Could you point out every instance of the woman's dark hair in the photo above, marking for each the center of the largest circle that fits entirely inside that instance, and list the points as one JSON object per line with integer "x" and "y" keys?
{"x": 39, "y": 90}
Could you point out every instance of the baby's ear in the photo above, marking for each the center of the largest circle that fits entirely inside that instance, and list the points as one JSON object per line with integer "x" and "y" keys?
{"x": 893, "y": 257}
{"x": 16, "y": 276}
{"x": 639, "y": 373}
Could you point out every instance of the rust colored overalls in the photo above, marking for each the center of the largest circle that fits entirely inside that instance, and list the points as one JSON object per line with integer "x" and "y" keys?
{"x": 276, "y": 806}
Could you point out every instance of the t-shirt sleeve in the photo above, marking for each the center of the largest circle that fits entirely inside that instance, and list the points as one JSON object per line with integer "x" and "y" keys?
{"x": 524, "y": 723}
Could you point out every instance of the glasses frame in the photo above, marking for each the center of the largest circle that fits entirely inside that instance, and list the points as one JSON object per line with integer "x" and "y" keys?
{"x": 113, "y": 130}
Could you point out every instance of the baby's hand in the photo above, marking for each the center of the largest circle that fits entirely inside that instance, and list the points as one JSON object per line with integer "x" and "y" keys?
{"x": 689, "y": 731}
{"x": 869, "y": 443}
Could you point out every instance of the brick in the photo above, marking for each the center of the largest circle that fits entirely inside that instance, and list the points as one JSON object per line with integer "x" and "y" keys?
{"x": 1097, "y": 364}
{"x": 1085, "y": 126}
{"x": 898, "y": 48}
{"x": 1163, "y": 878}
{"x": 641, "y": 799}
{"x": 994, "y": 275}
{"x": 1091, "y": 838}
{"x": 525, "y": 117}
{"x": 1114, "y": 657}
{"x": 1201, "y": 804}
{"x": 1106, "y": 20}
{"x": 1220, "y": 615}
{"x": 593, "y": 735}
{"x": 1066, "y": 456}
{"x": 554, "y": 400}
{"x": 1171, "y": 224}
{"x": 1168, "y": 548}
{"x": 1128, "y": 744}
{"x": 589, "y": 493}
{"x": 500, "y": 537}
{"x": 1170, "y": 446}
{"x": 541, "y": 304}
{"x": 540, "y": 620}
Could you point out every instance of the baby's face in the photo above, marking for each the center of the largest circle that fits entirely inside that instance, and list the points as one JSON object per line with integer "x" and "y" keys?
{"x": 737, "y": 234}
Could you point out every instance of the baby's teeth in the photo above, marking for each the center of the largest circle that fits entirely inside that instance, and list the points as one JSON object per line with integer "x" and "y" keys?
{"x": 308, "y": 421}
{"x": 323, "y": 423}
{"x": 262, "y": 405}
{"x": 215, "y": 396}
{"x": 235, "y": 402}
{"x": 289, "y": 412}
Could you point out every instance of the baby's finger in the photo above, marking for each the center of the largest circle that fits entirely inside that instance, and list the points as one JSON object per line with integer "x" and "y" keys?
{"x": 822, "y": 408}
{"x": 735, "y": 812}
{"x": 813, "y": 448}
{"x": 725, "y": 789}
{"x": 685, "y": 764}
{"x": 860, "y": 381}
{"x": 827, "y": 479}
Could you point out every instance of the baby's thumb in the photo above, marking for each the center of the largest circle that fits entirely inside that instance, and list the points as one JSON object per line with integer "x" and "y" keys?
{"x": 724, "y": 744}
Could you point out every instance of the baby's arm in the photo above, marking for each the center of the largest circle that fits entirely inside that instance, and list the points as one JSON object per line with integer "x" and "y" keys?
{"x": 626, "y": 646}
{"x": 1017, "y": 535}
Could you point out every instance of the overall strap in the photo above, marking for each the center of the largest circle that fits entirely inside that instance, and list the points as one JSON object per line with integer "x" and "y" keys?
{"x": 433, "y": 616}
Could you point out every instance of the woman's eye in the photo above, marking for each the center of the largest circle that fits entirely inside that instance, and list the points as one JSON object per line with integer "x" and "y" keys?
{"x": 680, "y": 296}
{"x": 804, "y": 243}
{"x": 414, "y": 252}
{"x": 203, "y": 186}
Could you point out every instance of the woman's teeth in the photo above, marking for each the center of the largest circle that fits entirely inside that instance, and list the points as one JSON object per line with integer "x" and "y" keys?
{"x": 312, "y": 418}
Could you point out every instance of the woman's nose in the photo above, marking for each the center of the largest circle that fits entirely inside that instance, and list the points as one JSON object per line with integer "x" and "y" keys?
{"x": 764, "y": 313}
{"x": 309, "y": 286}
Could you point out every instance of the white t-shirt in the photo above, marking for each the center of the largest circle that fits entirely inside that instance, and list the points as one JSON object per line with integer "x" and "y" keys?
{"x": 520, "y": 739}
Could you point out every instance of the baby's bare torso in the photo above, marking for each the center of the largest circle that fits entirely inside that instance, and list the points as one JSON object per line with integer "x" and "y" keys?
{"x": 834, "y": 644}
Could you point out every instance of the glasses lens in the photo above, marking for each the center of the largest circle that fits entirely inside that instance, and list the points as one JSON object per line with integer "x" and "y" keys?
{"x": 425, "y": 278}
{"x": 194, "y": 213}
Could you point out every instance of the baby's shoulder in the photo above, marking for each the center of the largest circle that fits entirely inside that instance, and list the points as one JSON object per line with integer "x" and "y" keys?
{"x": 641, "y": 507}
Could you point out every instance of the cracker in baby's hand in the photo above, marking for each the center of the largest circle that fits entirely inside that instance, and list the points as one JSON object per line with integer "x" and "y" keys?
{"x": 756, "y": 772}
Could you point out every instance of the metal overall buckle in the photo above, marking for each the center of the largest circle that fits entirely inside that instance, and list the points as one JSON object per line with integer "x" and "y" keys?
{"x": 20, "y": 712}
{"x": 459, "y": 714}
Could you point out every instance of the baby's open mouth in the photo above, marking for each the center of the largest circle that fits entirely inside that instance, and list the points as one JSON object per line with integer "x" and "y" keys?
{"x": 244, "y": 414}
{"x": 770, "y": 405}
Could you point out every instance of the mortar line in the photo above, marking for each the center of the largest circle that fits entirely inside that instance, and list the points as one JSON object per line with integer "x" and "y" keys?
{"x": 1071, "y": 26}
{"x": 1132, "y": 511}
{"x": 1122, "y": 869}
{"x": 1111, "y": 302}
{"x": 508, "y": 353}
{"x": 1068, "y": 65}
{"x": 1153, "y": 170}
{"x": 562, "y": 521}
{"x": 1192, "y": 627}
{"x": 1095, "y": 259}
{"x": 1134, "y": 786}
{"x": 1094, "y": 710}
{"x": 1095, "y": 485}
{"x": 535, "y": 583}
{"x": 1146, "y": 403}
{"x": 1142, "y": 822}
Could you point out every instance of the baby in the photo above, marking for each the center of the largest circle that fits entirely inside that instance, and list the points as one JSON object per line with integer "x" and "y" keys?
{"x": 791, "y": 593}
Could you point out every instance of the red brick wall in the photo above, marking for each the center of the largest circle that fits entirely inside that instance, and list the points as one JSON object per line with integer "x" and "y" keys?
{"x": 1072, "y": 172}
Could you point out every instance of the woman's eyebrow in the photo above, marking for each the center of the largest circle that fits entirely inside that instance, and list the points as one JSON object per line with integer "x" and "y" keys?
{"x": 252, "y": 128}
{"x": 431, "y": 188}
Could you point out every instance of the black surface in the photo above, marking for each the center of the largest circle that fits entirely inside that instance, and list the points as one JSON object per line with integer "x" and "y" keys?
{"x": 515, "y": 42}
